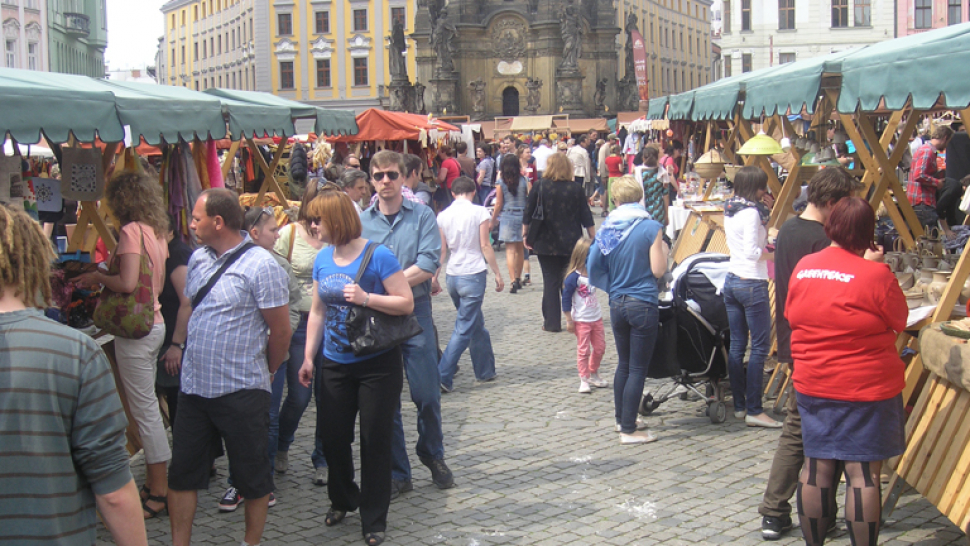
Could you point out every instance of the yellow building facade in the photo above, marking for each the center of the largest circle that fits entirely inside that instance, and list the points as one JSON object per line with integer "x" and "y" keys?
{"x": 327, "y": 52}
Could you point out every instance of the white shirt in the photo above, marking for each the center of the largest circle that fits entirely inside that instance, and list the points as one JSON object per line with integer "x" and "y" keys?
{"x": 580, "y": 159}
{"x": 746, "y": 239}
{"x": 460, "y": 225}
{"x": 541, "y": 156}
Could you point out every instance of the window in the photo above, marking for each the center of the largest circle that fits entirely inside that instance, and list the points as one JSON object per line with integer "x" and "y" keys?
{"x": 183, "y": 54}
{"x": 220, "y": 44}
{"x": 727, "y": 67}
{"x": 196, "y": 86}
{"x": 195, "y": 53}
{"x": 183, "y": 17}
{"x": 233, "y": 38}
{"x": 690, "y": 44}
{"x": 923, "y": 14}
{"x": 195, "y": 13}
{"x": 322, "y": 22}
{"x": 745, "y": 15}
{"x": 32, "y": 56}
{"x": 726, "y": 18}
{"x": 863, "y": 13}
{"x": 746, "y": 62}
{"x": 174, "y": 59}
{"x": 399, "y": 14}
{"x": 786, "y": 58}
{"x": 10, "y": 53}
{"x": 840, "y": 13}
{"x": 204, "y": 50}
{"x": 360, "y": 20}
{"x": 360, "y": 71}
{"x": 233, "y": 80}
{"x": 173, "y": 20}
{"x": 786, "y": 14}
{"x": 220, "y": 81}
{"x": 323, "y": 73}
{"x": 953, "y": 12}
{"x": 284, "y": 24}
{"x": 286, "y": 75}
{"x": 203, "y": 10}
{"x": 242, "y": 33}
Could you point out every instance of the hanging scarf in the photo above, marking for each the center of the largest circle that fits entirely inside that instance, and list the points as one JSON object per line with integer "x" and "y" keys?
{"x": 618, "y": 225}
{"x": 737, "y": 203}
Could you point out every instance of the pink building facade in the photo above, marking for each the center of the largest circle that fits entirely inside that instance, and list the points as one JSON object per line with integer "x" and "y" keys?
{"x": 915, "y": 16}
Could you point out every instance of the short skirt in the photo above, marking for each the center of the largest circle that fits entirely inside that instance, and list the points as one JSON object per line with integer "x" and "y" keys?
{"x": 852, "y": 431}
{"x": 510, "y": 226}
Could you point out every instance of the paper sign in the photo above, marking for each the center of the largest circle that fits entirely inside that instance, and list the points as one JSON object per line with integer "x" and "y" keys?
{"x": 48, "y": 193}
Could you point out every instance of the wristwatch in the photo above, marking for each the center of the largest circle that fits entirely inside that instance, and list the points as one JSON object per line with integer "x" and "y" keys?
{"x": 181, "y": 346}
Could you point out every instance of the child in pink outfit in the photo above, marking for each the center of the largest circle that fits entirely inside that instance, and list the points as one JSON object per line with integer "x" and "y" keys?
{"x": 585, "y": 318}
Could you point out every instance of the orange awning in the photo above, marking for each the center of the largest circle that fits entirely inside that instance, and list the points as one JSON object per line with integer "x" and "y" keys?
{"x": 377, "y": 124}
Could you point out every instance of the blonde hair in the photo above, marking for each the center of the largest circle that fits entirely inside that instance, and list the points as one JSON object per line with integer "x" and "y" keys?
{"x": 626, "y": 189}
{"x": 577, "y": 261}
{"x": 25, "y": 258}
{"x": 558, "y": 168}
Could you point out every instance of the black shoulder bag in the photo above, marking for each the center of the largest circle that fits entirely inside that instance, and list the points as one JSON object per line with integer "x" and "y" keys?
{"x": 538, "y": 216}
{"x": 371, "y": 331}
{"x": 204, "y": 291}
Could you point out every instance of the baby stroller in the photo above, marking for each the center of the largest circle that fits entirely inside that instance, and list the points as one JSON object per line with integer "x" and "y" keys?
{"x": 693, "y": 336}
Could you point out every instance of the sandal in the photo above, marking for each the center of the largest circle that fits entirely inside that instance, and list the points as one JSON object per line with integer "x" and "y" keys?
{"x": 374, "y": 539}
{"x": 334, "y": 517}
{"x": 151, "y": 513}
{"x": 144, "y": 492}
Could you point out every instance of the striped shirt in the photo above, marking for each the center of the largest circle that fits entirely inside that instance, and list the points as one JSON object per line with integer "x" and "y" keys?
{"x": 62, "y": 432}
{"x": 225, "y": 351}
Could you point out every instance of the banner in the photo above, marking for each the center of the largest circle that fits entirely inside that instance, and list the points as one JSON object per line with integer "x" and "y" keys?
{"x": 640, "y": 64}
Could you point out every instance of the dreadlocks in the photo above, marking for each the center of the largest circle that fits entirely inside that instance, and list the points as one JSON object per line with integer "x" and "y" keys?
{"x": 25, "y": 258}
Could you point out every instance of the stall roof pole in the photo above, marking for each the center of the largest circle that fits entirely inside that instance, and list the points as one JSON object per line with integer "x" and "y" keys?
{"x": 269, "y": 181}
{"x": 792, "y": 187}
{"x": 227, "y": 162}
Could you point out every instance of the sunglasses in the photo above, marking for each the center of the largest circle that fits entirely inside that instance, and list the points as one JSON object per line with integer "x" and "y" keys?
{"x": 267, "y": 211}
{"x": 391, "y": 175}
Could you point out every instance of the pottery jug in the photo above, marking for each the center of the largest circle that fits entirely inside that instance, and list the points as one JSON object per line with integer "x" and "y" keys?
{"x": 934, "y": 290}
{"x": 965, "y": 293}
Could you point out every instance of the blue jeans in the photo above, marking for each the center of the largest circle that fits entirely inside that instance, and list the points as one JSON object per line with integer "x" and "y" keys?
{"x": 635, "y": 333}
{"x": 483, "y": 192}
{"x": 468, "y": 292}
{"x": 283, "y": 421}
{"x": 748, "y": 312}
{"x": 424, "y": 382}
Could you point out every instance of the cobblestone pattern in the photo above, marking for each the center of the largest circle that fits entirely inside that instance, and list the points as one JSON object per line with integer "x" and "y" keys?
{"x": 537, "y": 463}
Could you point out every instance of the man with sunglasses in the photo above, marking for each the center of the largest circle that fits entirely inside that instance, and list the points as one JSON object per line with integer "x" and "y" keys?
{"x": 410, "y": 231}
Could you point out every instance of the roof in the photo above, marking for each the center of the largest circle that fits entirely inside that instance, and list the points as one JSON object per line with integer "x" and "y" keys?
{"x": 531, "y": 123}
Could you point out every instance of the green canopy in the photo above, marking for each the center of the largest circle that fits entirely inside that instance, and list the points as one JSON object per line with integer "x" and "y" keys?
{"x": 165, "y": 113}
{"x": 718, "y": 100}
{"x": 922, "y": 66}
{"x": 681, "y": 105}
{"x": 328, "y": 121}
{"x": 657, "y": 108}
{"x": 39, "y": 101}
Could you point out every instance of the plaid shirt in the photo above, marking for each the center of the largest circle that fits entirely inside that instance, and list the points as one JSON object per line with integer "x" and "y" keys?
{"x": 922, "y": 184}
{"x": 226, "y": 347}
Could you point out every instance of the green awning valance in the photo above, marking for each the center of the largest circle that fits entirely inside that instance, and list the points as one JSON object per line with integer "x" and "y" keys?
{"x": 681, "y": 106}
{"x": 657, "y": 108}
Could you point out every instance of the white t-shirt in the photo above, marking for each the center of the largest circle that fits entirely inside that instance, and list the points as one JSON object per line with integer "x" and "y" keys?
{"x": 460, "y": 224}
{"x": 541, "y": 155}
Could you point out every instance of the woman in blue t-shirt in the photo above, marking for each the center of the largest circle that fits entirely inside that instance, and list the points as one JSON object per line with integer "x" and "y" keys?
{"x": 348, "y": 384}
{"x": 627, "y": 258}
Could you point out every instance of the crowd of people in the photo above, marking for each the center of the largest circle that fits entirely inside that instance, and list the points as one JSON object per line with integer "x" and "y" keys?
{"x": 252, "y": 325}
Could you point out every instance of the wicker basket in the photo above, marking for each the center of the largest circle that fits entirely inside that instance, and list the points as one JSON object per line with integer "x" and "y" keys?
{"x": 731, "y": 170}
{"x": 709, "y": 171}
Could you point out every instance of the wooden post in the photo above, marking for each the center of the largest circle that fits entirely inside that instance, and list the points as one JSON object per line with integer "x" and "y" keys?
{"x": 791, "y": 189}
{"x": 269, "y": 181}
{"x": 227, "y": 162}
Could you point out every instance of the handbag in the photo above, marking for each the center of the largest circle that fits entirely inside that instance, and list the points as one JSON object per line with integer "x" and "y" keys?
{"x": 538, "y": 217}
{"x": 371, "y": 331}
{"x": 132, "y": 315}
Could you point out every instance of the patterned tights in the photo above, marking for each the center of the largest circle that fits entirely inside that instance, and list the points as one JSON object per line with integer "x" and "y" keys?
{"x": 817, "y": 486}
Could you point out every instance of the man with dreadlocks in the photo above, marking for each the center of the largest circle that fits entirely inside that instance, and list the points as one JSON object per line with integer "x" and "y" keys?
{"x": 63, "y": 452}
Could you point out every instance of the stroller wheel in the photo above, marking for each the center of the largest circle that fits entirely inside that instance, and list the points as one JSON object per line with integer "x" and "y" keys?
{"x": 717, "y": 411}
{"x": 648, "y": 404}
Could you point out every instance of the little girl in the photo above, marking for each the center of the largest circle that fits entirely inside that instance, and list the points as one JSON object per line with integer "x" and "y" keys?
{"x": 584, "y": 318}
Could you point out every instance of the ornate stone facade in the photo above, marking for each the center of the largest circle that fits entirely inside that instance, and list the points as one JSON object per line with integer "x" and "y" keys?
{"x": 518, "y": 57}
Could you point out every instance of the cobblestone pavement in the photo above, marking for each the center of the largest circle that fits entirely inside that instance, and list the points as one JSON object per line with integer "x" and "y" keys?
{"x": 535, "y": 462}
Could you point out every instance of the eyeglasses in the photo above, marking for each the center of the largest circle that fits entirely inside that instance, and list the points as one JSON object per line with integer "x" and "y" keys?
{"x": 391, "y": 175}
{"x": 267, "y": 211}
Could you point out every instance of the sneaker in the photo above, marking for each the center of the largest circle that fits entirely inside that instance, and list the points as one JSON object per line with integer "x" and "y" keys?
{"x": 596, "y": 381}
{"x": 641, "y": 425}
{"x": 231, "y": 500}
{"x": 445, "y": 389}
{"x": 638, "y": 437}
{"x": 400, "y": 487}
{"x": 272, "y": 500}
{"x": 584, "y": 386}
{"x": 740, "y": 414}
{"x": 773, "y": 528}
{"x": 761, "y": 420}
{"x": 440, "y": 473}
{"x": 282, "y": 462}
{"x": 320, "y": 476}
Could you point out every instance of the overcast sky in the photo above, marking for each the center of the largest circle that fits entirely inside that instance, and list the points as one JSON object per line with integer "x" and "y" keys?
{"x": 134, "y": 27}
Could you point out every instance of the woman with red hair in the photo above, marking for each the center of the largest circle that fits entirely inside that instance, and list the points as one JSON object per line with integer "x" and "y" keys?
{"x": 845, "y": 312}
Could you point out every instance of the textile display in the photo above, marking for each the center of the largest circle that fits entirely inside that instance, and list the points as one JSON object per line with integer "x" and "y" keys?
{"x": 8, "y": 166}
{"x": 82, "y": 177}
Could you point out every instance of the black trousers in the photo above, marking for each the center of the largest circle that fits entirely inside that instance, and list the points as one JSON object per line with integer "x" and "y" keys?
{"x": 553, "y": 270}
{"x": 372, "y": 388}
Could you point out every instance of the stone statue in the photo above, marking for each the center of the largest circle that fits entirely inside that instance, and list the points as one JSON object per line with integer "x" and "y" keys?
{"x": 419, "y": 98}
{"x": 599, "y": 97}
{"x": 532, "y": 99}
{"x": 398, "y": 44}
{"x": 589, "y": 7}
{"x": 478, "y": 98}
{"x": 570, "y": 25}
{"x": 399, "y": 99}
{"x": 631, "y": 25}
{"x": 443, "y": 41}
{"x": 533, "y": 6}
{"x": 434, "y": 10}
